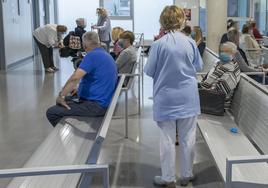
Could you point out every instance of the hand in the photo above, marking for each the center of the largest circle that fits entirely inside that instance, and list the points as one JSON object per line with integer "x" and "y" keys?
{"x": 94, "y": 27}
{"x": 265, "y": 70}
{"x": 60, "y": 45}
{"x": 61, "y": 101}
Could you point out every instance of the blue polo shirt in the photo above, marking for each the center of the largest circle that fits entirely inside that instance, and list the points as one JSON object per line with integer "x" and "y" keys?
{"x": 101, "y": 79}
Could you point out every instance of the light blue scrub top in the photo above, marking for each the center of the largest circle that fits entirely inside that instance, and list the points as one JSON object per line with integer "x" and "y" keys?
{"x": 172, "y": 63}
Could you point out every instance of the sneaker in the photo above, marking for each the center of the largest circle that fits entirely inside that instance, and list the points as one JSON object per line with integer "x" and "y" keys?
{"x": 185, "y": 181}
{"x": 55, "y": 68}
{"x": 158, "y": 181}
{"x": 49, "y": 70}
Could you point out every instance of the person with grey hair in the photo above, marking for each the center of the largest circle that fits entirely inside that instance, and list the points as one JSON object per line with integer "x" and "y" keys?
{"x": 81, "y": 25}
{"x": 224, "y": 77}
{"x": 97, "y": 78}
{"x": 241, "y": 58}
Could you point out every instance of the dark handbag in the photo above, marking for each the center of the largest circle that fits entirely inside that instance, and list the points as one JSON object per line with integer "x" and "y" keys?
{"x": 64, "y": 52}
{"x": 212, "y": 102}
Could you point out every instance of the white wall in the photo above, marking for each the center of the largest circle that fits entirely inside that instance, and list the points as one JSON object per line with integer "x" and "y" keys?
{"x": 17, "y": 31}
{"x": 194, "y": 6}
{"x": 146, "y": 15}
{"x": 70, "y": 10}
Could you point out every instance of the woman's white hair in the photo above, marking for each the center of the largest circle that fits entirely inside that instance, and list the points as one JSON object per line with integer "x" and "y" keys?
{"x": 230, "y": 46}
{"x": 91, "y": 38}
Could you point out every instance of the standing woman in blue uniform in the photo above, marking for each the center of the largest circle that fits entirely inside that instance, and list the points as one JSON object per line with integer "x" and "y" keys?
{"x": 173, "y": 62}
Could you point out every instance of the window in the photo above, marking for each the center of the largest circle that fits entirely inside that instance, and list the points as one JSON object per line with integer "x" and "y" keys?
{"x": 260, "y": 14}
{"x": 118, "y": 9}
{"x": 203, "y": 17}
{"x": 238, "y": 8}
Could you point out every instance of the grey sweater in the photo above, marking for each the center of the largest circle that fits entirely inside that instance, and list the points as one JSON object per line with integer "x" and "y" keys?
{"x": 126, "y": 60}
{"x": 243, "y": 65}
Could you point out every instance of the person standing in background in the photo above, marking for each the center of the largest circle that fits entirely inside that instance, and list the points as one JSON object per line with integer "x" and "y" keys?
{"x": 173, "y": 62}
{"x": 255, "y": 31}
{"x": 81, "y": 24}
{"x": 199, "y": 39}
{"x": 48, "y": 37}
{"x": 104, "y": 27}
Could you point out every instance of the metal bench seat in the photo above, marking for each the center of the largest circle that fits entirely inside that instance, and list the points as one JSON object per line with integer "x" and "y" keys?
{"x": 68, "y": 154}
{"x": 222, "y": 144}
{"x": 238, "y": 156}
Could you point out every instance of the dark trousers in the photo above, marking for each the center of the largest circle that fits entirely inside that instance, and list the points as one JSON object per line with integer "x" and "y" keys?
{"x": 46, "y": 53}
{"x": 81, "y": 108}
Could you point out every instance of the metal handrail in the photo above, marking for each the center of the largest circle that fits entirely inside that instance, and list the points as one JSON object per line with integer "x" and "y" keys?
{"x": 56, "y": 170}
{"x": 255, "y": 84}
{"x": 230, "y": 161}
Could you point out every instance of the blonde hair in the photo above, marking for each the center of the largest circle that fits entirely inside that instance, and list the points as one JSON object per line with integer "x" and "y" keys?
{"x": 198, "y": 34}
{"x": 102, "y": 12}
{"x": 172, "y": 18}
{"x": 116, "y": 32}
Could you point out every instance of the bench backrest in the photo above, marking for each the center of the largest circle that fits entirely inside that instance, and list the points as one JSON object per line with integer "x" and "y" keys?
{"x": 139, "y": 40}
{"x": 210, "y": 59}
{"x": 250, "y": 109}
{"x": 129, "y": 80}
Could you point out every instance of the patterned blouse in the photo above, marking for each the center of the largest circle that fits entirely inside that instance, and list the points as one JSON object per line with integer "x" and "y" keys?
{"x": 223, "y": 78}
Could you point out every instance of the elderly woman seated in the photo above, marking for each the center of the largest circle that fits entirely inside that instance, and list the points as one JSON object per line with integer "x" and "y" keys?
{"x": 224, "y": 77}
{"x": 127, "y": 57}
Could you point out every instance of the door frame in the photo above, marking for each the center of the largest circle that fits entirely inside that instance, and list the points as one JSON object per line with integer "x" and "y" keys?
{"x": 2, "y": 38}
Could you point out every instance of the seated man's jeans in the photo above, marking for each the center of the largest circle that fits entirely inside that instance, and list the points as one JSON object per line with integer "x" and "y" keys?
{"x": 81, "y": 108}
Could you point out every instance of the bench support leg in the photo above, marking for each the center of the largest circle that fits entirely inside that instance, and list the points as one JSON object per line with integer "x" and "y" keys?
{"x": 139, "y": 93}
{"x": 228, "y": 174}
{"x": 106, "y": 181}
{"x": 142, "y": 77}
{"x": 126, "y": 113}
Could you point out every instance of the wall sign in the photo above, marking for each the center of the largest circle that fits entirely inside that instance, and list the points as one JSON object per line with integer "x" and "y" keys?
{"x": 118, "y": 9}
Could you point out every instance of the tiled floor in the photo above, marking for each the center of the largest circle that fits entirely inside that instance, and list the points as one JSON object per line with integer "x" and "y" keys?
{"x": 26, "y": 93}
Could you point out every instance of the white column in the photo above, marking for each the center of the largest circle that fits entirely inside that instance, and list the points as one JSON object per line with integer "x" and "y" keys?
{"x": 216, "y": 22}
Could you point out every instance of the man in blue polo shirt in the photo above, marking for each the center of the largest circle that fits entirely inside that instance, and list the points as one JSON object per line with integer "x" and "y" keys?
{"x": 97, "y": 75}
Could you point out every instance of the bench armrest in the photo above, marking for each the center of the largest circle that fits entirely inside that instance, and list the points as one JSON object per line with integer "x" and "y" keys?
{"x": 201, "y": 73}
{"x": 263, "y": 74}
{"x": 230, "y": 161}
{"x": 130, "y": 75}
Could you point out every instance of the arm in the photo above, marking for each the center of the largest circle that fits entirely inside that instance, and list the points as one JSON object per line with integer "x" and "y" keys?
{"x": 198, "y": 62}
{"x": 151, "y": 64}
{"x": 243, "y": 65}
{"x": 211, "y": 80}
{"x": 73, "y": 81}
{"x": 69, "y": 87}
{"x": 104, "y": 26}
